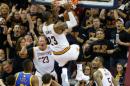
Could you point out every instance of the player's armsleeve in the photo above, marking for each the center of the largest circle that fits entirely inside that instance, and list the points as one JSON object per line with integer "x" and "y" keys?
{"x": 72, "y": 20}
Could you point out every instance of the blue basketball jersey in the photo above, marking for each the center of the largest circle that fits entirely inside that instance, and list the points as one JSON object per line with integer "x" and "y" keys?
{"x": 23, "y": 79}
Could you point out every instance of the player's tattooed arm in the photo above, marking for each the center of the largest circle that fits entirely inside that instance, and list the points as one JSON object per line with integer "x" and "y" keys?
{"x": 60, "y": 26}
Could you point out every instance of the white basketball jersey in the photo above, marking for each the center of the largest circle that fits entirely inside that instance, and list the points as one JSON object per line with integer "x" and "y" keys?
{"x": 43, "y": 60}
{"x": 107, "y": 77}
{"x": 57, "y": 42}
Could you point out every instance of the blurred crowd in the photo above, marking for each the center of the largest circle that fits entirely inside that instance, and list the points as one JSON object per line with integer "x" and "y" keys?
{"x": 100, "y": 32}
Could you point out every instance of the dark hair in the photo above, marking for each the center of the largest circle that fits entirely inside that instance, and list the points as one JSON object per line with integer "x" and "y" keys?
{"x": 10, "y": 80}
{"x": 119, "y": 64}
{"x": 26, "y": 64}
{"x": 46, "y": 78}
{"x": 13, "y": 25}
{"x": 82, "y": 82}
{"x": 29, "y": 34}
{"x": 40, "y": 17}
{"x": 46, "y": 15}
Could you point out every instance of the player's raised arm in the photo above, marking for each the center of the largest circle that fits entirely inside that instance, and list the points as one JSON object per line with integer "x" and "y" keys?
{"x": 72, "y": 20}
{"x": 60, "y": 26}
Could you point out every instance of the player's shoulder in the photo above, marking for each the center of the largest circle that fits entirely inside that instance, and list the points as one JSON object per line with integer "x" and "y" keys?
{"x": 102, "y": 70}
{"x": 97, "y": 73}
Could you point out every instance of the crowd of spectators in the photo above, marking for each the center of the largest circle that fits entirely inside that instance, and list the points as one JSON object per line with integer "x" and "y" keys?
{"x": 100, "y": 32}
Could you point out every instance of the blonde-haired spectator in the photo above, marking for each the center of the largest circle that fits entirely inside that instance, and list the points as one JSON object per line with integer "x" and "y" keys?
{"x": 4, "y": 10}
